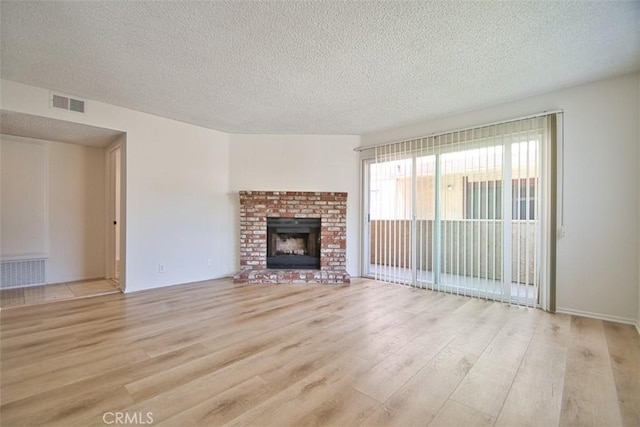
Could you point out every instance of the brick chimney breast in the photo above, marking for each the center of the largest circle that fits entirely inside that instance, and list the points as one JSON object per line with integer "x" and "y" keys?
{"x": 257, "y": 206}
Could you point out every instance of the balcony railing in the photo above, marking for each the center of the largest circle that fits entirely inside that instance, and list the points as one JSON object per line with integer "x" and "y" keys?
{"x": 470, "y": 248}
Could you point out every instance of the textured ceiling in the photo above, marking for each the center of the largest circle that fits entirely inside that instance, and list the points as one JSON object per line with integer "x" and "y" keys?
{"x": 30, "y": 126}
{"x": 328, "y": 67}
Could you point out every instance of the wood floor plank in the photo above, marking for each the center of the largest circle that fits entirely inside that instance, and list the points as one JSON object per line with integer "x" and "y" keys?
{"x": 418, "y": 401}
{"x": 63, "y": 410}
{"x": 261, "y": 347}
{"x": 589, "y": 394}
{"x": 623, "y": 343}
{"x": 390, "y": 341}
{"x": 11, "y": 298}
{"x": 306, "y": 396}
{"x": 390, "y": 374}
{"x": 223, "y": 407}
{"x": 279, "y": 367}
{"x": 489, "y": 380}
{"x": 347, "y": 407}
{"x": 454, "y": 414}
{"x": 482, "y": 330}
{"x": 89, "y": 396}
{"x": 41, "y": 378}
{"x": 535, "y": 397}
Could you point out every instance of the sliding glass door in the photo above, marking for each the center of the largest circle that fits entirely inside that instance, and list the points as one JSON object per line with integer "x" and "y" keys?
{"x": 459, "y": 212}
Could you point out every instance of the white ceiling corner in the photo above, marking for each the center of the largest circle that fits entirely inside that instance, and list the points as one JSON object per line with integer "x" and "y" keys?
{"x": 314, "y": 67}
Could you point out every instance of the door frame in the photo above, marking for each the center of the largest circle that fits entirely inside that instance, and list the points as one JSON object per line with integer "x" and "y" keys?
{"x": 365, "y": 243}
{"x": 117, "y": 147}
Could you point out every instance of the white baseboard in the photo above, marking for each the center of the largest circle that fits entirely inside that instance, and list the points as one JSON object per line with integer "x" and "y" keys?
{"x": 599, "y": 316}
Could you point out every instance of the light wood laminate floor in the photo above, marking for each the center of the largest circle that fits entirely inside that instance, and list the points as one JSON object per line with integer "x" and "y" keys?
{"x": 369, "y": 353}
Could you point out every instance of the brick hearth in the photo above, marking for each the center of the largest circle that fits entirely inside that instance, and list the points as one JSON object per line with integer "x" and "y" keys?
{"x": 256, "y": 206}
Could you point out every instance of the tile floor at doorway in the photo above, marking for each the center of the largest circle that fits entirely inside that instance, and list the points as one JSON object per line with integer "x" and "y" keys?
{"x": 20, "y": 297}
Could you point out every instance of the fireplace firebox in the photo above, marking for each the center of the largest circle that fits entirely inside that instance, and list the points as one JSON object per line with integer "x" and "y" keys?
{"x": 293, "y": 243}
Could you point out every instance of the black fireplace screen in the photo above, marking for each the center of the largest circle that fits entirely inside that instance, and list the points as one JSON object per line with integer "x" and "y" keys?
{"x": 293, "y": 243}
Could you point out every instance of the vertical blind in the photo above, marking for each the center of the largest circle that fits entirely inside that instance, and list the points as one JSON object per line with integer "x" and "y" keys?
{"x": 470, "y": 212}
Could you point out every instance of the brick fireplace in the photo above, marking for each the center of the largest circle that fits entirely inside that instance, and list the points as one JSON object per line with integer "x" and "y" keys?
{"x": 259, "y": 207}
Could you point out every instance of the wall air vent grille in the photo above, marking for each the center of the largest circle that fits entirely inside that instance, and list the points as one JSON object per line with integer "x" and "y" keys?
{"x": 58, "y": 101}
{"x": 76, "y": 105}
{"x": 22, "y": 272}
{"x": 64, "y": 102}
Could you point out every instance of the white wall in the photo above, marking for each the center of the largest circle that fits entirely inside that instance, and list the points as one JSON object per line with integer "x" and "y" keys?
{"x": 24, "y": 198}
{"x": 178, "y": 211}
{"x": 597, "y": 272}
{"x": 76, "y": 212}
{"x": 299, "y": 163}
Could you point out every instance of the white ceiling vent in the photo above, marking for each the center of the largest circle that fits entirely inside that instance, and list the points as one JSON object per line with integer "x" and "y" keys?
{"x": 65, "y": 102}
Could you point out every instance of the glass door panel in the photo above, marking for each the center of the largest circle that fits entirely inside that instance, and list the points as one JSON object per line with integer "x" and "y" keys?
{"x": 425, "y": 219}
{"x": 390, "y": 220}
{"x": 471, "y": 220}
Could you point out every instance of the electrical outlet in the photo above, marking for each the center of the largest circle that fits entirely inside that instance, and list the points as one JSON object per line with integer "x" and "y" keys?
{"x": 209, "y": 261}
{"x": 560, "y": 232}
{"x": 160, "y": 268}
